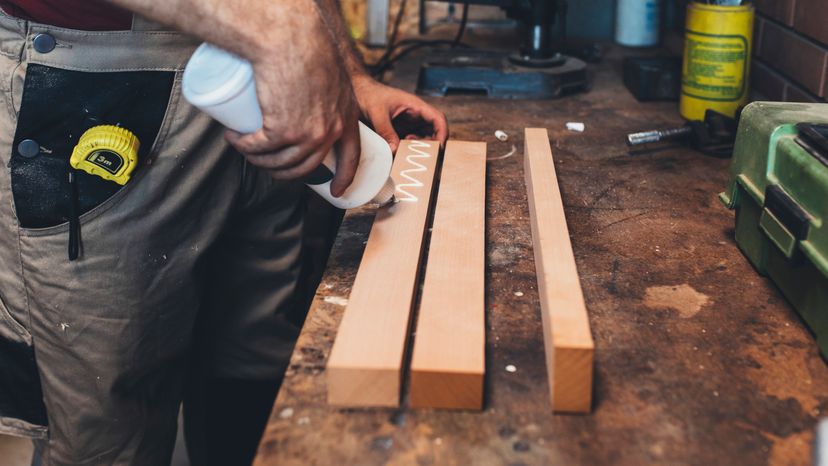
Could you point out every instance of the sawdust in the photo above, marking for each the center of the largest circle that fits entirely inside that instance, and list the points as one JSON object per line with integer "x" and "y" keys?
{"x": 339, "y": 301}
{"x": 786, "y": 372}
{"x": 793, "y": 449}
{"x": 683, "y": 298}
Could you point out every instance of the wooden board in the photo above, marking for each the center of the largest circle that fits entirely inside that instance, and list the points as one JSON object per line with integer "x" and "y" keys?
{"x": 365, "y": 364}
{"x": 566, "y": 333}
{"x": 448, "y": 360}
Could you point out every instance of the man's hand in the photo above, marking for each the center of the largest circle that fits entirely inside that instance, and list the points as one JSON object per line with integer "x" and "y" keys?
{"x": 304, "y": 88}
{"x": 390, "y": 111}
{"x": 307, "y": 75}
{"x": 309, "y": 107}
{"x": 393, "y": 112}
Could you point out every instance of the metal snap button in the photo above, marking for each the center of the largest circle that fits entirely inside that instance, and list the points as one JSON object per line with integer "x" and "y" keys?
{"x": 28, "y": 148}
{"x": 44, "y": 43}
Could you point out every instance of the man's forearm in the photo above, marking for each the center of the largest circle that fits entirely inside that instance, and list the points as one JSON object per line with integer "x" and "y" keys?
{"x": 336, "y": 22}
{"x": 250, "y": 29}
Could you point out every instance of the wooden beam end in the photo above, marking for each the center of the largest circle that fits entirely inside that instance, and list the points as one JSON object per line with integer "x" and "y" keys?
{"x": 446, "y": 390}
{"x": 363, "y": 387}
{"x": 572, "y": 384}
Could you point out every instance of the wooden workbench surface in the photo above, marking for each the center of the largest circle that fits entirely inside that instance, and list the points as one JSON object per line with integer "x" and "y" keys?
{"x": 698, "y": 360}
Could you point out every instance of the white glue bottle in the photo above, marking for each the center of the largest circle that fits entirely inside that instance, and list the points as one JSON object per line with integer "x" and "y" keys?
{"x": 223, "y": 86}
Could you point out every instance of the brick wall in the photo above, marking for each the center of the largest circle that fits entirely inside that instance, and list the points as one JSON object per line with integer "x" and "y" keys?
{"x": 790, "y": 48}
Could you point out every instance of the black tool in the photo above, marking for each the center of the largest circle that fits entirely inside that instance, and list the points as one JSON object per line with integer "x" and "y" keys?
{"x": 714, "y": 136}
{"x": 653, "y": 78}
{"x": 539, "y": 69}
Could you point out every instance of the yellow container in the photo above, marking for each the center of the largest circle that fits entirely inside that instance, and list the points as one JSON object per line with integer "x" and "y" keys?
{"x": 717, "y": 47}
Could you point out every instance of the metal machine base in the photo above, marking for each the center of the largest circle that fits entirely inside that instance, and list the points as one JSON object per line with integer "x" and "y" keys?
{"x": 496, "y": 75}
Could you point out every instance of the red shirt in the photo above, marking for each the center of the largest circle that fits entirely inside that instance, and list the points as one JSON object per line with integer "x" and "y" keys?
{"x": 90, "y": 15}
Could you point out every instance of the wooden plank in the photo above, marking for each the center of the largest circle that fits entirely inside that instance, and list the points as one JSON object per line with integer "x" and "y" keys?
{"x": 448, "y": 360}
{"x": 365, "y": 364}
{"x": 566, "y": 333}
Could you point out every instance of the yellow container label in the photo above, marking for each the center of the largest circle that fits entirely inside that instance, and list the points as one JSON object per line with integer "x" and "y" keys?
{"x": 715, "y": 66}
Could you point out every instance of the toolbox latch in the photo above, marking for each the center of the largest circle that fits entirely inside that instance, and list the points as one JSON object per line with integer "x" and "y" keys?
{"x": 783, "y": 220}
{"x": 814, "y": 139}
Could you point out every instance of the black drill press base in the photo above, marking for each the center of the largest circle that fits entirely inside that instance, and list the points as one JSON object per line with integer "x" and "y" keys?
{"x": 493, "y": 74}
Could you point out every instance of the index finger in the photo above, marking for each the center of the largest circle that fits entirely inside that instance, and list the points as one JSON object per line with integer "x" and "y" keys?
{"x": 438, "y": 122}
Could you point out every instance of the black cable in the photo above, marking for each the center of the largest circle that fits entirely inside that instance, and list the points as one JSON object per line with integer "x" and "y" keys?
{"x": 392, "y": 41}
{"x": 387, "y": 60}
{"x": 463, "y": 20}
{"x": 396, "y": 29}
{"x": 417, "y": 45}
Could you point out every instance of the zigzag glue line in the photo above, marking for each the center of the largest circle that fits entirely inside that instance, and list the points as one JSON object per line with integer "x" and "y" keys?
{"x": 414, "y": 182}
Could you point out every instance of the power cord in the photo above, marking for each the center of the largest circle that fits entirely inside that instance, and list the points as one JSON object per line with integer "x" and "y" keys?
{"x": 405, "y": 46}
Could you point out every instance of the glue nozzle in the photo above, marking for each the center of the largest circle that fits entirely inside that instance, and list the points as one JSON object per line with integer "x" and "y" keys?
{"x": 386, "y": 195}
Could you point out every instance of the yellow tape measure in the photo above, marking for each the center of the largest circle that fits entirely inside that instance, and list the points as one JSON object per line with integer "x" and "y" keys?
{"x": 107, "y": 151}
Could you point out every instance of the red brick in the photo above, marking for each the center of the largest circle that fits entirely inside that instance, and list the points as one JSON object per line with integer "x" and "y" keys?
{"x": 794, "y": 56}
{"x": 767, "y": 82}
{"x": 756, "y": 96}
{"x": 780, "y": 10}
{"x": 758, "y": 27}
{"x": 811, "y": 18}
{"x": 794, "y": 93}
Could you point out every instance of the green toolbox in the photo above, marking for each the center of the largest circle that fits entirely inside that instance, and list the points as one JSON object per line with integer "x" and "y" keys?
{"x": 779, "y": 188}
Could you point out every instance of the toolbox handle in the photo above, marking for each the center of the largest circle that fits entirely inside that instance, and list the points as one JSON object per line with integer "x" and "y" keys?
{"x": 788, "y": 211}
{"x": 814, "y": 139}
{"x": 783, "y": 220}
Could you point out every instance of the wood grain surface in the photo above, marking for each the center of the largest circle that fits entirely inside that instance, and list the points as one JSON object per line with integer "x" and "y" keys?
{"x": 566, "y": 333}
{"x": 448, "y": 361}
{"x": 365, "y": 365}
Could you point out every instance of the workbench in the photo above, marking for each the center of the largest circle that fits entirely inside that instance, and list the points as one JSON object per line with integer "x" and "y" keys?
{"x": 698, "y": 360}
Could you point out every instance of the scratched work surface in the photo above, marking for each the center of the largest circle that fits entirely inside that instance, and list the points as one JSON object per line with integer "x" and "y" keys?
{"x": 698, "y": 360}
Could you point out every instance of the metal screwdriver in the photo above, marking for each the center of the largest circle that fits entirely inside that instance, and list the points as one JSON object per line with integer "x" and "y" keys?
{"x": 657, "y": 135}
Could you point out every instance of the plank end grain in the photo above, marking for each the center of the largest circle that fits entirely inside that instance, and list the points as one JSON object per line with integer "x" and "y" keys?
{"x": 566, "y": 332}
{"x": 572, "y": 389}
{"x": 363, "y": 387}
{"x": 448, "y": 359}
{"x": 446, "y": 390}
{"x": 365, "y": 364}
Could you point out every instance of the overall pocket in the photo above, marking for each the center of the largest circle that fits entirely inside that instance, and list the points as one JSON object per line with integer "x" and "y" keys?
{"x": 56, "y": 108}
{"x": 21, "y": 396}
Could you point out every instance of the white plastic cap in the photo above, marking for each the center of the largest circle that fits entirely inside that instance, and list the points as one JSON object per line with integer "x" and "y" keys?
{"x": 386, "y": 193}
{"x": 214, "y": 76}
{"x": 222, "y": 85}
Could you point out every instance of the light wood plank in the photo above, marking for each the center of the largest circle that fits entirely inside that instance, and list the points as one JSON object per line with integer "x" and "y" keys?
{"x": 365, "y": 365}
{"x": 566, "y": 332}
{"x": 448, "y": 360}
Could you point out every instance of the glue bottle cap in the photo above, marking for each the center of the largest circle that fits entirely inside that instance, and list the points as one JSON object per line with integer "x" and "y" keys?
{"x": 214, "y": 75}
{"x": 223, "y": 85}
